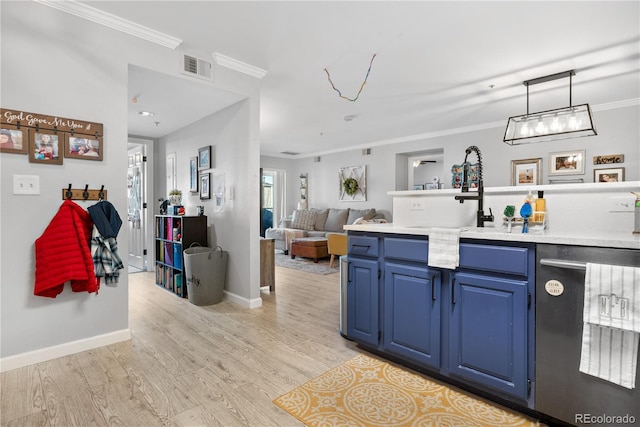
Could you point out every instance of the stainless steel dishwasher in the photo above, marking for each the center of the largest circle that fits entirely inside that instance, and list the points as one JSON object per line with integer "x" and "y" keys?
{"x": 562, "y": 391}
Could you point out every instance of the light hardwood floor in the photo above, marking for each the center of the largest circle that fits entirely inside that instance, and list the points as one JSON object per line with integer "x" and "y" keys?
{"x": 186, "y": 365}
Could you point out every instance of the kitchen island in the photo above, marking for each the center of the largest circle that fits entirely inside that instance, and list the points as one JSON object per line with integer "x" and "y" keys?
{"x": 476, "y": 325}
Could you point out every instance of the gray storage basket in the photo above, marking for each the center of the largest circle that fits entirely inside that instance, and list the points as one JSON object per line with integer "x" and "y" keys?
{"x": 206, "y": 271}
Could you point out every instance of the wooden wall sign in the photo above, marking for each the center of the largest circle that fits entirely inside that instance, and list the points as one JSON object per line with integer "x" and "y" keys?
{"x": 47, "y": 139}
{"x": 54, "y": 123}
{"x": 608, "y": 159}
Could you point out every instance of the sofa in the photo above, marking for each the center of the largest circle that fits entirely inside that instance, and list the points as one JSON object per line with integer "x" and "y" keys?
{"x": 316, "y": 223}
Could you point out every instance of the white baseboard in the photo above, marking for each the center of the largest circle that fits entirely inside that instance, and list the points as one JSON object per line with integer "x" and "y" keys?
{"x": 242, "y": 301}
{"x": 44, "y": 354}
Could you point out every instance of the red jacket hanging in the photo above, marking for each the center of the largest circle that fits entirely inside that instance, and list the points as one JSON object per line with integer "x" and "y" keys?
{"x": 63, "y": 253}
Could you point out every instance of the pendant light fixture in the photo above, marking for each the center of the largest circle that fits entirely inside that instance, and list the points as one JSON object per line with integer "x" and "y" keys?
{"x": 570, "y": 122}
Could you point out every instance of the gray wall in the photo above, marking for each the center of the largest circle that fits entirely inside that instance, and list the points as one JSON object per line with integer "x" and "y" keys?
{"x": 54, "y": 63}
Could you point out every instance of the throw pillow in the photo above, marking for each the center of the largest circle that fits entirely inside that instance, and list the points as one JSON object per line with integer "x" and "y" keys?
{"x": 303, "y": 219}
{"x": 365, "y": 214}
{"x": 321, "y": 218}
{"x": 336, "y": 219}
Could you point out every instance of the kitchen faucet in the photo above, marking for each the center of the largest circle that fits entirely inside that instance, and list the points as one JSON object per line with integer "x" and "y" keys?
{"x": 481, "y": 218}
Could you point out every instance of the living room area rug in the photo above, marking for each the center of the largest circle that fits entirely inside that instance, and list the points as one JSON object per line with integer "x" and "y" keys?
{"x": 307, "y": 264}
{"x": 367, "y": 392}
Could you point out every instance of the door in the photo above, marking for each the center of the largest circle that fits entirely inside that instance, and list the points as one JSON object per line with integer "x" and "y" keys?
{"x": 412, "y": 313}
{"x": 135, "y": 207}
{"x": 362, "y": 300}
{"x": 488, "y": 332}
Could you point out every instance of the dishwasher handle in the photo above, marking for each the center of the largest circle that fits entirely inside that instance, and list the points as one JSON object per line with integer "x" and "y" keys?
{"x": 571, "y": 265}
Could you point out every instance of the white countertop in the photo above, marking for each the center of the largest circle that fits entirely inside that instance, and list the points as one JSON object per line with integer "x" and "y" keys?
{"x": 625, "y": 240}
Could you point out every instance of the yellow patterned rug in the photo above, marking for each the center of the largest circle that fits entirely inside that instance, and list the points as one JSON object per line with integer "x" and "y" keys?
{"x": 367, "y": 392}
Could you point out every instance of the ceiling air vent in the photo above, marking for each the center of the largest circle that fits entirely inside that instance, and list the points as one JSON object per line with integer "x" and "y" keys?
{"x": 196, "y": 67}
{"x": 289, "y": 153}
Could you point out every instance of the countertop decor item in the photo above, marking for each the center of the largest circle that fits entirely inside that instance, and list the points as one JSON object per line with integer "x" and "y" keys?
{"x": 509, "y": 213}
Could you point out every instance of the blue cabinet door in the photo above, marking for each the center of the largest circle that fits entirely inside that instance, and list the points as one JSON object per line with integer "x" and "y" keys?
{"x": 412, "y": 313}
{"x": 488, "y": 332}
{"x": 363, "y": 300}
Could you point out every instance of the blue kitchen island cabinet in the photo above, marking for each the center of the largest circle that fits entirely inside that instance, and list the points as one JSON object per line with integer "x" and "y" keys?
{"x": 473, "y": 325}
{"x": 363, "y": 290}
{"x": 488, "y": 332}
{"x": 412, "y": 313}
{"x": 412, "y": 303}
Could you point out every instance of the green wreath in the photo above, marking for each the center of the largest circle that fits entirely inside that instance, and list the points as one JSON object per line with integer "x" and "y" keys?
{"x": 350, "y": 186}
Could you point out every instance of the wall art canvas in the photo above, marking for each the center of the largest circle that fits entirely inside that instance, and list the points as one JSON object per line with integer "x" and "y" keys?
{"x": 352, "y": 181}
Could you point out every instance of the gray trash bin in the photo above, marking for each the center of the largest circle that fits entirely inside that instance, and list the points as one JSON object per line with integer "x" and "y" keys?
{"x": 206, "y": 271}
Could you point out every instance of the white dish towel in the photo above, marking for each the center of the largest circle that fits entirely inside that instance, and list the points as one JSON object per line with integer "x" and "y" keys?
{"x": 444, "y": 248}
{"x": 611, "y": 318}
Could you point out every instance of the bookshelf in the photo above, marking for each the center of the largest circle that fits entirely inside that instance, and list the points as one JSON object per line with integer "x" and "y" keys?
{"x": 173, "y": 234}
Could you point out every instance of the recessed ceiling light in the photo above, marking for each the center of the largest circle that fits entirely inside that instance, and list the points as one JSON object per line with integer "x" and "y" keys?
{"x": 146, "y": 113}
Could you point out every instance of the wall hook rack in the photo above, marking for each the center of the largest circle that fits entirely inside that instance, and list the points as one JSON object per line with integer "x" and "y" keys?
{"x": 84, "y": 193}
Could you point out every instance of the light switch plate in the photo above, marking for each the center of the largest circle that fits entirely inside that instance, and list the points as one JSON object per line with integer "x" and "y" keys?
{"x": 26, "y": 184}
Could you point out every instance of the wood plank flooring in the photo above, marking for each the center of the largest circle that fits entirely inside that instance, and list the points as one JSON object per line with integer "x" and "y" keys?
{"x": 186, "y": 365}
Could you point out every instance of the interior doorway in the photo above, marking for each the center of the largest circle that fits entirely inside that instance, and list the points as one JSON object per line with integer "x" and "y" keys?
{"x": 138, "y": 214}
{"x": 273, "y": 198}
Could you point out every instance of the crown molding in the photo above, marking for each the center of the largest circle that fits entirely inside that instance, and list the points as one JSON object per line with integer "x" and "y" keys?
{"x": 617, "y": 104}
{"x": 240, "y": 66}
{"x": 98, "y": 16}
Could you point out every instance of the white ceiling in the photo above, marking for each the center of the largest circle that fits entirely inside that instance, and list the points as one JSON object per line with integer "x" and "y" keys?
{"x": 439, "y": 66}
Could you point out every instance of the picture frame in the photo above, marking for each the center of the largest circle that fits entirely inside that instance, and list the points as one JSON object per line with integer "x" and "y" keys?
{"x": 352, "y": 182}
{"x": 205, "y": 189}
{"x": 204, "y": 158}
{"x": 418, "y": 186}
{"x": 218, "y": 190}
{"x": 567, "y": 162}
{"x": 84, "y": 147}
{"x": 14, "y": 139}
{"x": 526, "y": 172}
{"x": 608, "y": 175}
{"x": 46, "y": 147}
{"x": 193, "y": 174}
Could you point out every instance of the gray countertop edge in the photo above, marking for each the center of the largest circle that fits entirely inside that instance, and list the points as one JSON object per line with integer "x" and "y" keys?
{"x": 609, "y": 240}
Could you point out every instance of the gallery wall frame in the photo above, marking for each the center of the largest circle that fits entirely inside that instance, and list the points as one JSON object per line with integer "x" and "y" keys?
{"x": 526, "y": 171}
{"x": 204, "y": 158}
{"x": 608, "y": 175}
{"x": 83, "y": 147}
{"x": 205, "y": 188}
{"x": 46, "y": 147}
{"x": 567, "y": 162}
{"x": 14, "y": 139}
{"x": 193, "y": 175}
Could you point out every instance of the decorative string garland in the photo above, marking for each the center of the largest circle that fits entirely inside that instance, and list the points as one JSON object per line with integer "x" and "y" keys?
{"x": 361, "y": 86}
{"x": 350, "y": 186}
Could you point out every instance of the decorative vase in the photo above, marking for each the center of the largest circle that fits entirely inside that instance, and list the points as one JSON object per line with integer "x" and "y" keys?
{"x": 175, "y": 199}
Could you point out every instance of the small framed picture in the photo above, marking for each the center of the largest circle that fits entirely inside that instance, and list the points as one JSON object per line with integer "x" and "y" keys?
{"x": 13, "y": 139}
{"x": 205, "y": 189}
{"x": 193, "y": 175}
{"x": 418, "y": 187}
{"x": 84, "y": 147}
{"x": 567, "y": 163}
{"x": 204, "y": 158}
{"x": 526, "y": 171}
{"x": 608, "y": 175}
{"x": 45, "y": 147}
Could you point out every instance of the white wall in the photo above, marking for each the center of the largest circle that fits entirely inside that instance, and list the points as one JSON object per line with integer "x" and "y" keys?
{"x": 54, "y": 63}
{"x": 228, "y": 228}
